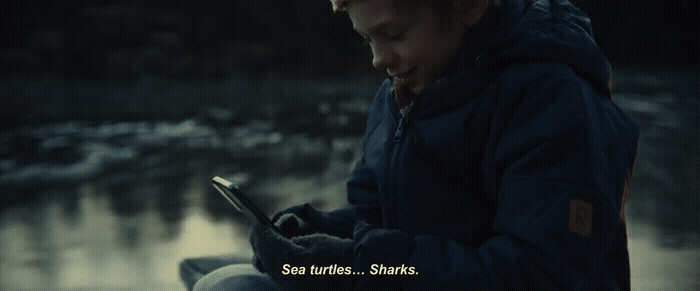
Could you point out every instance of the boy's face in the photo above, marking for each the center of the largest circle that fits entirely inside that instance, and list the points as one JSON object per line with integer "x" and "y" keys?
{"x": 411, "y": 43}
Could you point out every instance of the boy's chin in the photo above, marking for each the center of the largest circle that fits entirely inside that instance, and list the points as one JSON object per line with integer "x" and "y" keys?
{"x": 416, "y": 88}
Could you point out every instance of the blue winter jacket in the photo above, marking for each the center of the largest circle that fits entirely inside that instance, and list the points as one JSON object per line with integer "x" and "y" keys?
{"x": 509, "y": 174}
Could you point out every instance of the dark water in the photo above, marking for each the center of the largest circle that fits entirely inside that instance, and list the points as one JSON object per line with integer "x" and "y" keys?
{"x": 117, "y": 205}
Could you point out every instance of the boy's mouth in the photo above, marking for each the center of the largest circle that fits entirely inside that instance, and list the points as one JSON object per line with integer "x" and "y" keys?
{"x": 404, "y": 75}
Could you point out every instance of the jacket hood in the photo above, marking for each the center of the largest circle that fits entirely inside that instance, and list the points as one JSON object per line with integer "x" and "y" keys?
{"x": 518, "y": 31}
{"x": 542, "y": 31}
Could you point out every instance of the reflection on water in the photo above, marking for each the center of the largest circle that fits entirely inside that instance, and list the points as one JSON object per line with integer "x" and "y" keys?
{"x": 666, "y": 184}
{"x": 119, "y": 205}
{"x": 655, "y": 266}
{"x": 42, "y": 246}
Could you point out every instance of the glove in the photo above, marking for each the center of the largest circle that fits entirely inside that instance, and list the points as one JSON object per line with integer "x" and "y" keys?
{"x": 306, "y": 220}
{"x": 336, "y": 223}
{"x": 389, "y": 247}
{"x": 277, "y": 254}
{"x": 289, "y": 225}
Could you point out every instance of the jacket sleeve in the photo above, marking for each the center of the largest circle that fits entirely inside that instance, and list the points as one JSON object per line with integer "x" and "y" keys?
{"x": 558, "y": 178}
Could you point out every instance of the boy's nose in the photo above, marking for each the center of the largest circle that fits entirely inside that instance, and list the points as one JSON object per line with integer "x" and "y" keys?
{"x": 383, "y": 57}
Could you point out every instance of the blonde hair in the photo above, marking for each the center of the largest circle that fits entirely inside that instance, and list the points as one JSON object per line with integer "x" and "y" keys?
{"x": 338, "y": 5}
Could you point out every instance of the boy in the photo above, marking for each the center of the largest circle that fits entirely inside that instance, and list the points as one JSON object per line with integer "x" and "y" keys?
{"x": 493, "y": 159}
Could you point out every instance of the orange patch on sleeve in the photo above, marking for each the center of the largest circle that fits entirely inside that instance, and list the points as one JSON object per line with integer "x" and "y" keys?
{"x": 580, "y": 217}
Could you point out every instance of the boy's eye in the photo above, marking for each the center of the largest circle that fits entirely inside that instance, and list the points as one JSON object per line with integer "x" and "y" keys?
{"x": 390, "y": 37}
{"x": 386, "y": 36}
{"x": 397, "y": 36}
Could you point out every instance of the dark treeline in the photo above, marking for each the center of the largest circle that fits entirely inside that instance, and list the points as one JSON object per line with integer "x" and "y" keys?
{"x": 646, "y": 32}
{"x": 123, "y": 39}
{"x": 211, "y": 39}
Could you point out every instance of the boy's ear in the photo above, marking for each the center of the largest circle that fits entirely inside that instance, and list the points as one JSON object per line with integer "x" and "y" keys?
{"x": 471, "y": 11}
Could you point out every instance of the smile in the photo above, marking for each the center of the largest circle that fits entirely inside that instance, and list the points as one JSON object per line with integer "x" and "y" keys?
{"x": 405, "y": 74}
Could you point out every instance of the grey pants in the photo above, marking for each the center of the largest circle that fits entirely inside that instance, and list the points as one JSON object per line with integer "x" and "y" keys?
{"x": 235, "y": 277}
{"x": 223, "y": 273}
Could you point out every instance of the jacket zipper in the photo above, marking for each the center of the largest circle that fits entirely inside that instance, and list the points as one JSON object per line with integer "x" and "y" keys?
{"x": 393, "y": 198}
{"x": 397, "y": 140}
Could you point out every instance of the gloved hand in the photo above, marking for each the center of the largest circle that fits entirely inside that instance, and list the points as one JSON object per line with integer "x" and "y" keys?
{"x": 388, "y": 247}
{"x": 302, "y": 223}
{"x": 289, "y": 225}
{"x": 338, "y": 223}
{"x": 276, "y": 254}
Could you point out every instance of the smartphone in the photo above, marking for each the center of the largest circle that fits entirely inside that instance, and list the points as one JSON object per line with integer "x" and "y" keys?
{"x": 242, "y": 203}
